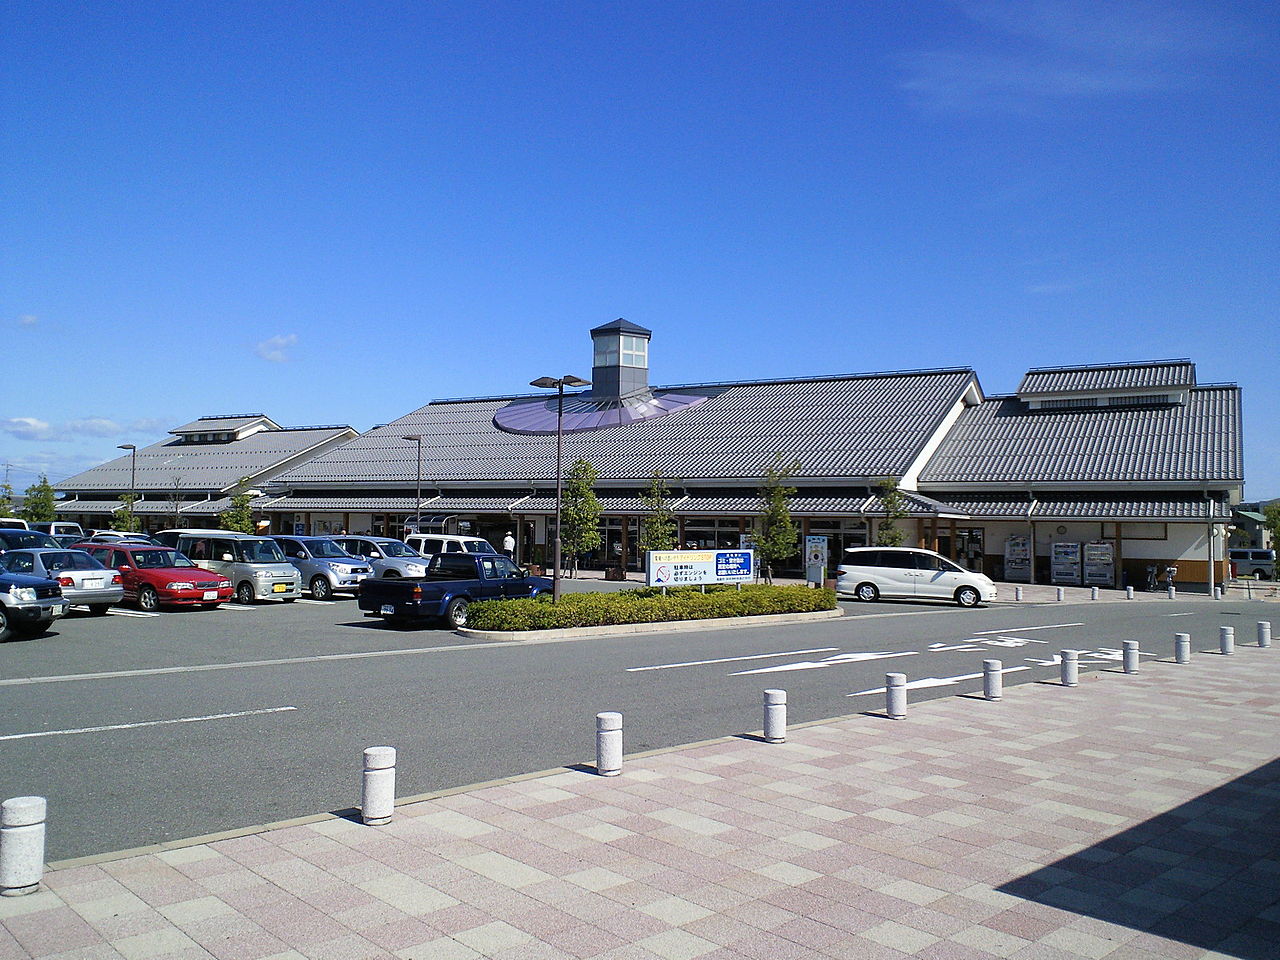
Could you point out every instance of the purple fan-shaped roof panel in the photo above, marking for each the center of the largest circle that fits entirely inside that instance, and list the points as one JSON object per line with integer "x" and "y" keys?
{"x": 585, "y": 412}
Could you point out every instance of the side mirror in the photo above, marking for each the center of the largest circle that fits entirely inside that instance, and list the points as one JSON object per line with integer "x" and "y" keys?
{"x": 375, "y": 554}
{"x": 524, "y": 572}
{"x": 124, "y": 568}
{"x": 226, "y": 557}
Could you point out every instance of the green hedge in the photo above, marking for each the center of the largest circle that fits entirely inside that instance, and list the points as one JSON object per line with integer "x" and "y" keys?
{"x": 646, "y": 605}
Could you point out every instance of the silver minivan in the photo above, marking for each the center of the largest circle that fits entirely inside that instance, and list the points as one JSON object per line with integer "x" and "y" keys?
{"x": 255, "y": 565}
{"x": 388, "y": 557}
{"x": 869, "y": 573}
{"x": 324, "y": 565}
{"x": 1253, "y": 562}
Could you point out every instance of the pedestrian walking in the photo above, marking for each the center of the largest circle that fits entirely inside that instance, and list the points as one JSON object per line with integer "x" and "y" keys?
{"x": 509, "y": 545}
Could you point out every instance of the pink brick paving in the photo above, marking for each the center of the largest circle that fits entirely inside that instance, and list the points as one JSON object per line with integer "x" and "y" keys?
{"x": 1132, "y": 818}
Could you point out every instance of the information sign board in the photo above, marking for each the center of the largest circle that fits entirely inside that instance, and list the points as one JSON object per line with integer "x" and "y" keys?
{"x": 682, "y": 568}
{"x": 815, "y": 559}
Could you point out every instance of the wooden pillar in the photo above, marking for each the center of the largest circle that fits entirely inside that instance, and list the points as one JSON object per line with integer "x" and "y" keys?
{"x": 680, "y": 533}
{"x": 920, "y": 533}
{"x": 626, "y": 543}
{"x": 953, "y": 538}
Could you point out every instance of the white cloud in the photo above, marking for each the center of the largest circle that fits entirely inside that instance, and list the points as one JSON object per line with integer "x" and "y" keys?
{"x": 28, "y": 320}
{"x": 93, "y": 427}
{"x": 25, "y": 428}
{"x": 273, "y": 348}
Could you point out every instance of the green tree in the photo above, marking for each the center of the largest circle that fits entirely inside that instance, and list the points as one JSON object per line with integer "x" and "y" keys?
{"x": 125, "y": 519}
{"x": 1271, "y": 520}
{"x": 239, "y": 516}
{"x": 658, "y": 529}
{"x": 6, "y": 499}
{"x": 895, "y": 509}
{"x": 38, "y": 504}
{"x": 580, "y": 512}
{"x": 779, "y": 536}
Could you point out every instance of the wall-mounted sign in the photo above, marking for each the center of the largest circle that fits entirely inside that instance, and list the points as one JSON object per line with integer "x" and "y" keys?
{"x": 682, "y": 568}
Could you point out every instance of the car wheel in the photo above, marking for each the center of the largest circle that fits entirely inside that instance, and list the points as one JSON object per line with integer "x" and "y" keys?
{"x": 99, "y": 609}
{"x": 4, "y": 625}
{"x": 867, "y": 592}
{"x": 1262, "y": 575}
{"x": 391, "y": 575}
{"x": 320, "y": 589}
{"x": 244, "y": 593}
{"x": 456, "y": 612}
{"x": 148, "y": 599}
{"x": 968, "y": 597}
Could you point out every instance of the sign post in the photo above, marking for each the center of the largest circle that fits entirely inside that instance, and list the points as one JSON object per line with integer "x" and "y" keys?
{"x": 815, "y": 560}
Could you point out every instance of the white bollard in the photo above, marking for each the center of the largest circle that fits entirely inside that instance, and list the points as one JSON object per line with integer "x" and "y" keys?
{"x": 1217, "y": 593}
{"x": 1132, "y": 656}
{"x": 21, "y": 845}
{"x": 1182, "y": 648}
{"x": 1070, "y": 668}
{"x": 378, "y": 789}
{"x": 1128, "y": 593}
{"x": 1017, "y": 594}
{"x": 895, "y": 695}
{"x": 1172, "y": 593}
{"x": 1062, "y": 594}
{"x": 1093, "y": 593}
{"x": 1226, "y": 641}
{"x": 992, "y": 679}
{"x": 775, "y": 716}
{"x": 608, "y": 744}
{"x": 1264, "y": 633}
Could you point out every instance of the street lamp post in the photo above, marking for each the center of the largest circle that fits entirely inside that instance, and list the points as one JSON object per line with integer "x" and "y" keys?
{"x": 133, "y": 481}
{"x": 558, "y": 384}
{"x": 417, "y": 503}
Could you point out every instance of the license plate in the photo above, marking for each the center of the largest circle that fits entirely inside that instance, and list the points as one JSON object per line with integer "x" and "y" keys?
{"x": 211, "y": 595}
{"x": 60, "y": 609}
{"x": 93, "y": 583}
{"x": 387, "y": 610}
{"x": 280, "y": 587}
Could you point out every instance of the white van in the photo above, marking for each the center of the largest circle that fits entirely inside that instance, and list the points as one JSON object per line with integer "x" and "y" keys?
{"x": 869, "y": 573}
{"x": 59, "y": 528}
{"x": 13, "y": 523}
{"x": 1254, "y": 563}
{"x": 429, "y": 544}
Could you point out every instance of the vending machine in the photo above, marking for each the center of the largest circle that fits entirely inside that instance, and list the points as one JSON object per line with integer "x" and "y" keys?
{"x": 1017, "y": 559}
{"x": 1100, "y": 563}
{"x": 1065, "y": 567}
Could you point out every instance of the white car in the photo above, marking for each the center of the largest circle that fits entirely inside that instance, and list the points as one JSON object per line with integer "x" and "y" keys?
{"x": 870, "y": 573}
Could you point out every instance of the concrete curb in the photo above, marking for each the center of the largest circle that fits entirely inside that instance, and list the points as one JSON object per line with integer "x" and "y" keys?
{"x": 664, "y": 626}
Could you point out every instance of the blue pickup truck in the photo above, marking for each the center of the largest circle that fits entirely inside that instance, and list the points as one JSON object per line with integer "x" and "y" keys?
{"x": 452, "y": 583}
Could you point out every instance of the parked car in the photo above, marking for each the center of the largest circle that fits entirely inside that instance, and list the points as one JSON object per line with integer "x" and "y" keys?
{"x": 28, "y": 604}
{"x": 387, "y": 557}
{"x": 1253, "y": 563}
{"x": 57, "y": 528}
{"x": 430, "y": 544}
{"x": 13, "y": 523}
{"x": 255, "y": 565}
{"x": 67, "y": 540}
{"x": 870, "y": 573}
{"x": 121, "y": 536}
{"x": 452, "y": 583}
{"x": 84, "y": 581}
{"x": 155, "y": 577}
{"x": 11, "y": 539}
{"x": 325, "y": 566}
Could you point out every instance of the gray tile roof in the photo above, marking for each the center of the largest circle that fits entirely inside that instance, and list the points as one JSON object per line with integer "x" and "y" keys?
{"x": 338, "y": 504}
{"x": 223, "y": 424}
{"x": 1001, "y": 442}
{"x": 205, "y": 466}
{"x": 1108, "y": 378}
{"x": 1140, "y": 508}
{"x": 864, "y": 426}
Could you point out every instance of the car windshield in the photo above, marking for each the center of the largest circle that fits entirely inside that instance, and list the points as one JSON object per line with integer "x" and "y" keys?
{"x": 394, "y": 548}
{"x": 480, "y": 546}
{"x": 159, "y": 559}
{"x": 16, "y": 539}
{"x": 326, "y": 550}
{"x": 261, "y": 551}
{"x": 69, "y": 560}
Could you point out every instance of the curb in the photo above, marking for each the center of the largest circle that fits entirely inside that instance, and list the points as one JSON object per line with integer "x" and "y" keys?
{"x": 664, "y": 626}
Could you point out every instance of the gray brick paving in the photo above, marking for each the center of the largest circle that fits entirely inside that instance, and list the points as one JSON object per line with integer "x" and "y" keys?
{"x": 1131, "y": 818}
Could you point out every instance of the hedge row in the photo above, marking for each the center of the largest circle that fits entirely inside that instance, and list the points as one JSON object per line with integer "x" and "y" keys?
{"x": 647, "y": 605}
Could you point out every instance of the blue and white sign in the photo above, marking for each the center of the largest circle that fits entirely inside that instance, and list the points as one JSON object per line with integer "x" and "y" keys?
{"x": 682, "y": 568}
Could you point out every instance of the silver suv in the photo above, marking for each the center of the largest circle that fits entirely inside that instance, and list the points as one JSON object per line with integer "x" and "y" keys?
{"x": 325, "y": 567}
{"x": 388, "y": 557}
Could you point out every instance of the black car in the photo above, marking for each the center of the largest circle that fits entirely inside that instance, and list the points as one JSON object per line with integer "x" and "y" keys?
{"x": 28, "y": 604}
{"x": 25, "y": 539}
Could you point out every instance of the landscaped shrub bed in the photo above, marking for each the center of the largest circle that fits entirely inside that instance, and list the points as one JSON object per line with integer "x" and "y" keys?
{"x": 646, "y": 605}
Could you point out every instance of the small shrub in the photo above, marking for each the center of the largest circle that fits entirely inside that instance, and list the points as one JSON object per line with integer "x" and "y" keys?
{"x": 646, "y": 605}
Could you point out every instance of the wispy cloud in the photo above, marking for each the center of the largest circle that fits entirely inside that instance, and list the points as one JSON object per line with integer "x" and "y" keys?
{"x": 28, "y": 320}
{"x": 94, "y": 427}
{"x": 25, "y": 428}
{"x": 273, "y": 348}
{"x": 1033, "y": 52}
{"x": 33, "y": 428}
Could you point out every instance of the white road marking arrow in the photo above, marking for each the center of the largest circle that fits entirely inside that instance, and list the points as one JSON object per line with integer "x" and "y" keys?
{"x": 838, "y": 659}
{"x": 935, "y": 682}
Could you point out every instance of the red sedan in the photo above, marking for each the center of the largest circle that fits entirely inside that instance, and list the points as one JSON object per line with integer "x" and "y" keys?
{"x": 161, "y": 576}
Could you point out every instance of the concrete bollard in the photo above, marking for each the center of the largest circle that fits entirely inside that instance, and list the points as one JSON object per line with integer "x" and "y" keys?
{"x": 1182, "y": 648}
{"x": 775, "y": 716}
{"x": 1017, "y": 594}
{"x": 21, "y": 845}
{"x": 1264, "y": 633}
{"x": 1128, "y": 593}
{"x": 1217, "y": 593}
{"x": 895, "y": 695}
{"x": 378, "y": 790}
{"x": 1062, "y": 594}
{"x": 1070, "y": 668}
{"x": 1093, "y": 593}
{"x": 992, "y": 679}
{"x": 1132, "y": 657}
{"x": 1172, "y": 593}
{"x": 608, "y": 744}
{"x": 1226, "y": 641}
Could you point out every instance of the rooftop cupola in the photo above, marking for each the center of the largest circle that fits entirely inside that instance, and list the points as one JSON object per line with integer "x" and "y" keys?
{"x": 620, "y": 365}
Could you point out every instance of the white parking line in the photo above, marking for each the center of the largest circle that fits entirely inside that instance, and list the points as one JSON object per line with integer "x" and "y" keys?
{"x": 235, "y": 607}
{"x": 1179, "y": 614}
{"x": 1047, "y": 626}
{"x": 758, "y": 656}
{"x": 130, "y": 613}
{"x": 144, "y": 723}
{"x": 323, "y": 603}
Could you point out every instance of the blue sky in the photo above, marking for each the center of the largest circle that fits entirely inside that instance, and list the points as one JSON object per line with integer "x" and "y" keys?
{"x": 335, "y": 212}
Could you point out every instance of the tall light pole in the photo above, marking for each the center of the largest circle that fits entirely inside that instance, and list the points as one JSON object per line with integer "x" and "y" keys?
{"x": 417, "y": 503}
{"x": 133, "y": 481}
{"x": 558, "y": 384}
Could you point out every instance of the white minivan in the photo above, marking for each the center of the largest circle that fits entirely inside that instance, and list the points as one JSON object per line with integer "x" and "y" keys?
{"x": 869, "y": 573}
